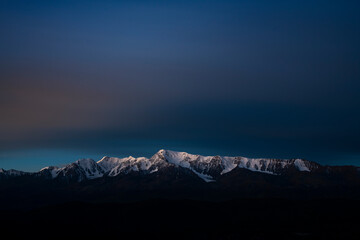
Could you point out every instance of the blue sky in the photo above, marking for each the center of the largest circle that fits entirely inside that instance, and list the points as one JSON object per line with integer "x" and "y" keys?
{"x": 251, "y": 78}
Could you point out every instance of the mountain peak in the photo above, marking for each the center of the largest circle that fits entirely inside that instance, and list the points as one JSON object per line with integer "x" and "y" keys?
{"x": 208, "y": 168}
{"x": 104, "y": 158}
{"x": 161, "y": 151}
{"x": 112, "y": 159}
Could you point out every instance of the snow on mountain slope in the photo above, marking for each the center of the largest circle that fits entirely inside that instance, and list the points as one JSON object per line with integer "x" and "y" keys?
{"x": 210, "y": 167}
{"x": 272, "y": 166}
{"x": 228, "y": 164}
{"x": 80, "y": 170}
{"x": 213, "y": 166}
{"x": 90, "y": 168}
{"x": 207, "y": 168}
{"x": 301, "y": 165}
{"x": 115, "y": 166}
{"x": 198, "y": 164}
{"x": 12, "y": 173}
{"x": 108, "y": 163}
{"x": 50, "y": 172}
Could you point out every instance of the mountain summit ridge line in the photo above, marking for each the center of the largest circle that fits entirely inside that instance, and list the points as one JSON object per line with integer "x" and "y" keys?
{"x": 205, "y": 167}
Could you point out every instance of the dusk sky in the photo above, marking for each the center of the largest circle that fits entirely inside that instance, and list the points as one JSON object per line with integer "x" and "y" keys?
{"x": 272, "y": 79}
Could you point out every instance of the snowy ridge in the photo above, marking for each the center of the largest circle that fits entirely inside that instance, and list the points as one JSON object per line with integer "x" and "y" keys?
{"x": 273, "y": 166}
{"x": 12, "y": 172}
{"x": 80, "y": 170}
{"x": 207, "y": 168}
{"x": 90, "y": 167}
{"x": 114, "y": 166}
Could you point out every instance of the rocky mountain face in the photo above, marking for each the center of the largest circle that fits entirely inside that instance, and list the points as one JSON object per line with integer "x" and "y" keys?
{"x": 178, "y": 175}
{"x": 4, "y": 174}
{"x": 208, "y": 168}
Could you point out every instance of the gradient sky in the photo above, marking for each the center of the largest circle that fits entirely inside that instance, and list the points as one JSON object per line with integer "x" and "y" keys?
{"x": 85, "y": 79}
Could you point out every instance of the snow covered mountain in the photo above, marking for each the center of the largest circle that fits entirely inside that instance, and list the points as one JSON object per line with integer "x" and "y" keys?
{"x": 80, "y": 170}
{"x": 208, "y": 168}
{"x": 11, "y": 173}
{"x": 178, "y": 175}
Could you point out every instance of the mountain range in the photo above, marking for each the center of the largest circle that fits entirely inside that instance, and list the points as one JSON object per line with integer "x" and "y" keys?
{"x": 178, "y": 175}
{"x": 207, "y": 168}
{"x": 184, "y": 196}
